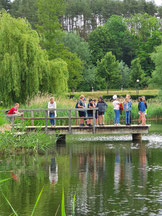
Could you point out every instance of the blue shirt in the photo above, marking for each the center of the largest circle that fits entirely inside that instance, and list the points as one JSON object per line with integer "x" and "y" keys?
{"x": 142, "y": 106}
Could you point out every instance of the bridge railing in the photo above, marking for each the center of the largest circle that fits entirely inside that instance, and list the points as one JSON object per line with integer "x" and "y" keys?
{"x": 46, "y": 117}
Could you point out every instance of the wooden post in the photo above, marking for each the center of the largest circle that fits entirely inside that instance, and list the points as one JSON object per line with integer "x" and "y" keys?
{"x": 69, "y": 121}
{"x": 94, "y": 131}
{"x": 32, "y": 115}
{"x": 23, "y": 119}
{"x": 76, "y": 120}
{"x": 46, "y": 115}
{"x": 60, "y": 139}
{"x": 137, "y": 137}
{"x": 12, "y": 122}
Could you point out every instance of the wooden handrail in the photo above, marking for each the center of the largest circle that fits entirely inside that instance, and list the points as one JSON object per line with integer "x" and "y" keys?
{"x": 46, "y": 118}
{"x": 28, "y": 110}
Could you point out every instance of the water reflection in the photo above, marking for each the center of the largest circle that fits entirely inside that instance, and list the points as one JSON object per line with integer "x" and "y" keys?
{"x": 53, "y": 171}
{"x": 109, "y": 178}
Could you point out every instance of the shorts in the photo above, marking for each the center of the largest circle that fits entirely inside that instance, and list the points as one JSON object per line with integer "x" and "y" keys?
{"x": 90, "y": 114}
{"x": 81, "y": 114}
{"x": 101, "y": 113}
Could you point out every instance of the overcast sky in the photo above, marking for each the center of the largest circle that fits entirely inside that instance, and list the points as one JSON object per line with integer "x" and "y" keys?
{"x": 158, "y": 2}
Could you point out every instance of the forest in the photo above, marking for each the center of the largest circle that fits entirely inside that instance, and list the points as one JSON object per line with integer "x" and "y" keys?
{"x": 58, "y": 46}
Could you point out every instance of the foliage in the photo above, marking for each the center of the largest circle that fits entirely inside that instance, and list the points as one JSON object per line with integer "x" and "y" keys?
{"x": 137, "y": 73}
{"x": 157, "y": 74}
{"x": 35, "y": 142}
{"x": 5, "y": 4}
{"x": 108, "y": 68}
{"x": 146, "y": 30}
{"x": 25, "y": 9}
{"x": 77, "y": 45}
{"x": 125, "y": 75}
{"x": 115, "y": 37}
{"x": 58, "y": 83}
{"x": 49, "y": 27}
{"x": 19, "y": 60}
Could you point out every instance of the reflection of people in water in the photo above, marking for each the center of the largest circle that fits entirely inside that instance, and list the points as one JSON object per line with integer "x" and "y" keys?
{"x": 53, "y": 171}
{"x": 117, "y": 171}
{"x": 14, "y": 176}
{"x": 143, "y": 163}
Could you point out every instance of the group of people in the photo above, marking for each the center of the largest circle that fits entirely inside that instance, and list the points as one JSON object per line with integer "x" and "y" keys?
{"x": 118, "y": 107}
{"x": 99, "y": 113}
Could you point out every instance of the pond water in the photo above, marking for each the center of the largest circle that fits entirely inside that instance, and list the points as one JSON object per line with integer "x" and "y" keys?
{"x": 109, "y": 174}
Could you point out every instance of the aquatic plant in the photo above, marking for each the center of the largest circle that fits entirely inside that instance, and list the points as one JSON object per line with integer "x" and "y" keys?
{"x": 15, "y": 213}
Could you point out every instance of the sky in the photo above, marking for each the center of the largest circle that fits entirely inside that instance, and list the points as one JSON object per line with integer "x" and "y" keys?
{"x": 158, "y": 2}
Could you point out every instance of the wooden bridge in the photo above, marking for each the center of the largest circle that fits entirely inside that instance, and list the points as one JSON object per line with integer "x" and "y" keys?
{"x": 31, "y": 115}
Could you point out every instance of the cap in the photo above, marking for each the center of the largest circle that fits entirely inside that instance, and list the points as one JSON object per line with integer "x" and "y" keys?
{"x": 115, "y": 97}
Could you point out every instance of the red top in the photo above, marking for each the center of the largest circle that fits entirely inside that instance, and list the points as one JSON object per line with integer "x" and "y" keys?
{"x": 12, "y": 111}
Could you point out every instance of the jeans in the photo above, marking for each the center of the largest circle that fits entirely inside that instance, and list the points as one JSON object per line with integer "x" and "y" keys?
{"x": 127, "y": 117}
{"x": 52, "y": 121}
{"x": 117, "y": 116}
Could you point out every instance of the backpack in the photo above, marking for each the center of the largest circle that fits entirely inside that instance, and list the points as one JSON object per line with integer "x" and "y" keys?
{"x": 6, "y": 111}
{"x": 121, "y": 107}
{"x": 76, "y": 106}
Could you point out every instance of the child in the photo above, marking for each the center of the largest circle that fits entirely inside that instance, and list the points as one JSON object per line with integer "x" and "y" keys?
{"x": 14, "y": 110}
{"x": 142, "y": 109}
{"x": 101, "y": 105}
{"x": 81, "y": 105}
{"x": 90, "y": 112}
{"x": 127, "y": 108}
{"x": 116, "y": 110}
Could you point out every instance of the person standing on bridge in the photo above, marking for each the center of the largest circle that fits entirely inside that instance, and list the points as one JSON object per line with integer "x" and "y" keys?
{"x": 101, "y": 105}
{"x": 52, "y": 111}
{"x": 81, "y": 105}
{"x": 116, "y": 110}
{"x": 127, "y": 108}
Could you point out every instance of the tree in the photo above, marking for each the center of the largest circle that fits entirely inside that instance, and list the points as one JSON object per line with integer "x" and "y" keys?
{"x": 146, "y": 30}
{"x": 137, "y": 73}
{"x": 19, "y": 60}
{"x": 58, "y": 82}
{"x": 25, "y": 9}
{"x": 77, "y": 45}
{"x": 108, "y": 68}
{"x": 99, "y": 42}
{"x": 49, "y": 15}
{"x": 24, "y": 66}
{"x": 114, "y": 36}
{"x": 157, "y": 74}
{"x": 125, "y": 75}
{"x": 5, "y": 4}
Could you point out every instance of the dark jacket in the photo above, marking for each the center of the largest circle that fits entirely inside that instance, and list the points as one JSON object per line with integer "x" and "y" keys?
{"x": 101, "y": 106}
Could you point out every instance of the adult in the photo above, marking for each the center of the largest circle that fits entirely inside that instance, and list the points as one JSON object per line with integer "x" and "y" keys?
{"x": 52, "y": 111}
{"x": 116, "y": 110}
{"x": 81, "y": 105}
{"x": 14, "y": 110}
{"x": 127, "y": 108}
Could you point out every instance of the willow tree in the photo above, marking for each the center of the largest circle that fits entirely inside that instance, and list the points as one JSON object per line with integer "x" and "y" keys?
{"x": 20, "y": 56}
{"x": 58, "y": 82}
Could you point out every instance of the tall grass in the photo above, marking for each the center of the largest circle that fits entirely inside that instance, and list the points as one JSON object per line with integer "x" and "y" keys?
{"x": 34, "y": 208}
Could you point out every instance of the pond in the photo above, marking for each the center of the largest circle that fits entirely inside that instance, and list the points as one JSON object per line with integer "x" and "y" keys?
{"x": 110, "y": 175}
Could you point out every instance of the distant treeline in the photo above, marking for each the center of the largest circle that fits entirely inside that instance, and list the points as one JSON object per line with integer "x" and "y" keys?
{"x": 56, "y": 46}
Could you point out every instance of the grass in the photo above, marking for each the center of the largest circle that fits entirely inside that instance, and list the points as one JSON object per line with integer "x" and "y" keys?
{"x": 97, "y": 94}
{"x": 34, "y": 208}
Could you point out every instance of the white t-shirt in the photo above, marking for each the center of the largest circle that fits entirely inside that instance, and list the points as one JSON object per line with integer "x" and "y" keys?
{"x": 116, "y": 105}
{"x": 52, "y": 106}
